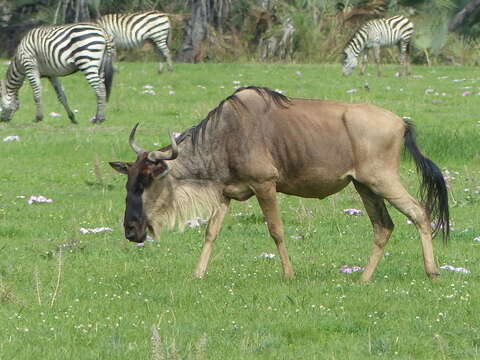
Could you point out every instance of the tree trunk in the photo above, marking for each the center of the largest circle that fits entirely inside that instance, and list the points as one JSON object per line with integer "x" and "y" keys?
{"x": 72, "y": 11}
{"x": 196, "y": 31}
{"x": 462, "y": 16}
{"x": 277, "y": 39}
{"x": 205, "y": 13}
{"x": 5, "y": 12}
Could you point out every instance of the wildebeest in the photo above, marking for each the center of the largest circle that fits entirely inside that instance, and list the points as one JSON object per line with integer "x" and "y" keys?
{"x": 258, "y": 142}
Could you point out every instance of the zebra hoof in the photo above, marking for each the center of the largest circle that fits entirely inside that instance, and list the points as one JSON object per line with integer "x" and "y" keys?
{"x": 97, "y": 120}
{"x": 38, "y": 118}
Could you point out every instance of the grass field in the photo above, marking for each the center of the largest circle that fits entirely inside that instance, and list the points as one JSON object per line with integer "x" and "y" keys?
{"x": 64, "y": 295}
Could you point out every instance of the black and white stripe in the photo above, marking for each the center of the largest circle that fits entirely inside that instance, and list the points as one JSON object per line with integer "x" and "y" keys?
{"x": 397, "y": 30}
{"x": 133, "y": 30}
{"x": 53, "y": 51}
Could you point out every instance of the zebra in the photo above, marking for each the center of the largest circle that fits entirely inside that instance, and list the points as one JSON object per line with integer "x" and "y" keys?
{"x": 133, "y": 30}
{"x": 375, "y": 33}
{"x": 51, "y": 51}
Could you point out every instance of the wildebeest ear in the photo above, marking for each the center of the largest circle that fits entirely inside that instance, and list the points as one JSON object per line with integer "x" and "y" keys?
{"x": 160, "y": 170}
{"x": 121, "y": 167}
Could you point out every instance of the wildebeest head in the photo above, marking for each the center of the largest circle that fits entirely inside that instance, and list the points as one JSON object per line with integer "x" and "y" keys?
{"x": 150, "y": 166}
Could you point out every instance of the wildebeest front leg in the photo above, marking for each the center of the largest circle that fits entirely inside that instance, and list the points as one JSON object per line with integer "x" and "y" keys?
{"x": 267, "y": 198}
{"x": 61, "y": 97}
{"x": 213, "y": 228}
{"x": 382, "y": 226}
{"x": 33, "y": 77}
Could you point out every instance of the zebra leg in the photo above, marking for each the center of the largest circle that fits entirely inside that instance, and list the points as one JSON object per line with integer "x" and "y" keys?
{"x": 364, "y": 62}
{"x": 405, "y": 57}
{"x": 98, "y": 85}
{"x": 376, "y": 54}
{"x": 33, "y": 77}
{"x": 61, "y": 97}
{"x": 162, "y": 48}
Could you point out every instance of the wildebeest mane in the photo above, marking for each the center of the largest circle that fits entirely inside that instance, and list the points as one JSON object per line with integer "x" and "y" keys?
{"x": 198, "y": 131}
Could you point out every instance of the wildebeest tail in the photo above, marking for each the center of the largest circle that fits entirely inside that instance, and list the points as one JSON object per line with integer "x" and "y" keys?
{"x": 107, "y": 65}
{"x": 433, "y": 189}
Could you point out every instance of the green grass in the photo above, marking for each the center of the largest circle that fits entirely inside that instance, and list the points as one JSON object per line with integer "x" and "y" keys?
{"x": 100, "y": 296}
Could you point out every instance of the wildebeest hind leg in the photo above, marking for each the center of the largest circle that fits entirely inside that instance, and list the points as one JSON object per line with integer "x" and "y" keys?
{"x": 392, "y": 190}
{"x": 266, "y": 194}
{"x": 382, "y": 226}
{"x": 213, "y": 228}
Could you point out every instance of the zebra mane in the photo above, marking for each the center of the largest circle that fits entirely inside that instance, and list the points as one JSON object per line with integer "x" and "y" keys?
{"x": 352, "y": 39}
{"x": 198, "y": 131}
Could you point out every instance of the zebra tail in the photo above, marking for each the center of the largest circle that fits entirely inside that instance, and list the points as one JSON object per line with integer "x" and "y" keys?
{"x": 107, "y": 66}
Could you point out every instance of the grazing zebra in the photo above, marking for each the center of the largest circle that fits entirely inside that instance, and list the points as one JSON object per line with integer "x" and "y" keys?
{"x": 376, "y": 33}
{"x": 133, "y": 30}
{"x": 53, "y": 51}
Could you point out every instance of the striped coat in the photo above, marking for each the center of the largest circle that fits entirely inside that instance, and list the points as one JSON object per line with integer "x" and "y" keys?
{"x": 397, "y": 30}
{"x": 54, "y": 51}
{"x": 133, "y": 30}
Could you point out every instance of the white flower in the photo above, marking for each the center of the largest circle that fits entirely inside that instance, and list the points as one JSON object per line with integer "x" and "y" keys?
{"x": 265, "y": 255}
{"x": 193, "y": 223}
{"x": 12, "y": 138}
{"x": 351, "y": 91}
{"x": 456, "y": 269}
{"x": 94, "y": 230}
{"x": 54, "y": 114}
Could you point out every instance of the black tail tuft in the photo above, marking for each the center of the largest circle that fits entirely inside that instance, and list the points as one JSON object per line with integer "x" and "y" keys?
{"x": 433, "y": 189}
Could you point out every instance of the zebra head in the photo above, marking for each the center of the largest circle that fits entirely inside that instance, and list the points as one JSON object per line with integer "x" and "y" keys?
{"x": 350, "y": 62}
{"x": 8, "y": 103}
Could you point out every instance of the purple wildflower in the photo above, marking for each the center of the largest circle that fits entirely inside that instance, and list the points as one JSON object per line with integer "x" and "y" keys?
{"x": 38, "y": 199}
{"x": 348, "y": 270}
{"x": 352, "y": 212}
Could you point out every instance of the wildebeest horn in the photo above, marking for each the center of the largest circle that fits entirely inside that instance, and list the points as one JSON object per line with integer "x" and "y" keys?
{"x": 161, "y": 155}
{"x": 131, "y": 141}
